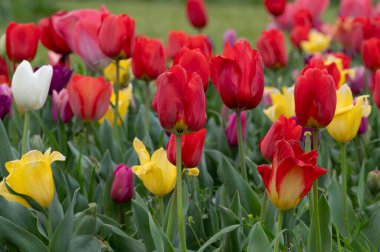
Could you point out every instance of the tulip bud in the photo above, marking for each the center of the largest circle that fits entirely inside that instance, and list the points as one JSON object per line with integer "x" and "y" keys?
{"x": 371, "y": 53}
{"x": 61, "y": 76}
{"x": 357, "y": 83}
{"x": 373, "y": 181}
{"x": 299, "y": 34}
{"x": 196, "y": 13}
{"x": 272, "y": 48}
{"x": 5, "y": 100}
{"x": 36, "y": 142}
{"x": 61, "y": 109}
{"x": 230, "y": 129}
{"x": 363, "y": 126}
{"x": 191, "y": 148}
{"x": 176, "y": 40}
{"x": 122, "y": 185}
{"x": 201, "y": 42}
{"x": 30, "y": 89}
{"x": 275, "y": 7}
{"x": 229, "y": 37}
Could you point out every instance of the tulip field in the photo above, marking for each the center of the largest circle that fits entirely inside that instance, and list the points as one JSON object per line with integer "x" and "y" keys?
{"x": 213, "y": 129}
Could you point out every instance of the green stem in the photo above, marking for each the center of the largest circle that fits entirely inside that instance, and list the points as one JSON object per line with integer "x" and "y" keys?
{"x": 169, "y": 229}
{"x": 116, "y": 107}
{"x": 161, "y": 209}
{"x": 263, "y": 205}
{"x": 25, "y": 133}
{"x": 275, "y": 78}
{"x": 241, "y": 145}
{"x": 181, "y": 224}
{"x": 122, "y": 215}
{"x": 315, "y": 198}
{"x": 147, "y": 105}
{"x": 344, "y": 186}
{"x": 278, "y": 230}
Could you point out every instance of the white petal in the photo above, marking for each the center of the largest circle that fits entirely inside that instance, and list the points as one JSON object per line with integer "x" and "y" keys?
{"x": 43, "y": 76}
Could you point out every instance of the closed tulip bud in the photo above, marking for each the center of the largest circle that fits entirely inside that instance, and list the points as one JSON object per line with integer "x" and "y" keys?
{"x": 180, "y": 101}
{"x": 292, "y": 174}
{"x": 238, "y": 76}
{"x": 331, "y": 67}
{"x": 157, "y": 173}
{"x": 5, "y": 100}
{"x": 282, "y": 129}
{"x": 122, "y": 185}
{"x": 303, "y": 17}
{"x": 4, "y": 74}
{"x": 30, "y": 89}
{"x": 32, "y": 176}
{"x": 358, "y": 81}
{"x": 229, "y": 37}
{"x": 148, "y": 60}
{"x": 116, "y": 36}
{"x": 61, "y": 109}
{"x": 36, "y": 142}
{"x": 196, "y": 13}
{"x": 348, "y": 116}
{"x": 376, "y": 88}
{"x": 299, "y": 34}
{"x": 275, "y": 7}
{"x": 61, "y": 76}
{"x": 176, "y": 40}
{"x": 49, "y": 36}
{"x": 373, "y": 181}
{"x": 21, "y": 41}
{"x": 371, "y": 53}
{"x": 195, "y": 62}
{"x": 191, "y": 148}
{"x": 363, "y": 126}
{"x": 89, "y": 97}
{"x": 315, "y": 98}
{"x": 230, "y": 129}
{"x": 272, "y": 48}
{"x": 201, "y": 42}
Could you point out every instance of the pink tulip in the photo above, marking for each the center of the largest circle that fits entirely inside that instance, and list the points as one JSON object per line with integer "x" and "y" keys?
{"x": 61, "y": 107}
{"x": 355, "y": 8}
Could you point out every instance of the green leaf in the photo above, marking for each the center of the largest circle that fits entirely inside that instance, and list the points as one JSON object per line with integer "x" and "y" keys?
{"x": 140, "y": 215}
{"x": 87, "y": 243}
{"x": 361, "y": 186}
{"x": 258, "y": 240}
{"x": 22, "y": 239}
{"x": 161, "y": 242}
{"x": 232, "y": 241}
{"x": 218, "y": 235}
{"x": 5, "y": 150}
{"x": 86, "y": 222}
{"x": 121, "y": 241}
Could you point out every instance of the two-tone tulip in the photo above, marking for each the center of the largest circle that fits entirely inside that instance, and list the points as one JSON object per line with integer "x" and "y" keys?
{"x": 30, "y": 89}
{"x": 89, "y": 97}
{"x": 122, "y": 184}
{"x": 21, "y": 41}
{"x": 156, "y": 172}
{"x": 291, "y": 175}
{"x": 61, "y": 109}
{"x": 238, "y": 76}
{"x": 275, "y": 7}
{"x": 272, "y": 48}
{"x": 180, "y": 101}
{"x": 315, "y": 98}
{"x": 282, "y": 103}
{"x": 196, "y": 13}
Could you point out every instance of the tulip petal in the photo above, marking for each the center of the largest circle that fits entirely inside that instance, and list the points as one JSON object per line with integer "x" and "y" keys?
{"x": 141, "y": 151}
{"x": 43, "y": 75}
{"x": 11, "y": 197}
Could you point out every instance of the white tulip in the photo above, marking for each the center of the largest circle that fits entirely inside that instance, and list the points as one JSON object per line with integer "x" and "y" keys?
{"x": 30, "y": 89}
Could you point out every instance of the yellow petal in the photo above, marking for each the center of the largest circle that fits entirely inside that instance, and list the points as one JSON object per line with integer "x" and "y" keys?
{"x": 344, "y": 101}
{"x": 290, "y": 189}
{"x": 141, "y": 151}
{"x": 192, "y": 171}
{"x": 11, "y": 197}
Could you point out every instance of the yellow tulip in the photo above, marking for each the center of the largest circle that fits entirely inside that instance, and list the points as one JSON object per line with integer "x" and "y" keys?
{"x": 157, "y": 173}
{"x": 32, "y": 176}
{"x": 110, "y": 71}
{"x": 282, "y": 104}
{"x": 347, "y": 118}
{"x": 343, "y": 72}
{"x": 125, "y": 96}
{"x": 317, "y": 42}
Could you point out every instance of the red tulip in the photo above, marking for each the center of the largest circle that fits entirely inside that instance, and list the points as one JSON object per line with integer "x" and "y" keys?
{"x": 282, "y": 129}
{"x": 148, "y": 60}
{"x": 180, "y": 101}
{"x": 231, "y": 132}
{"x": 272, "y": 48}
{"x": 238, "y": 76}
{"x": 176, "y": 40}
{"x": 275, "y": 7}
{"x": 89, "y": 97}
{"x": 315, "y": 98}
{"x": 194, "y": 61}
{"x": 303, "y": 17}
{"x": 371, "y": 53}
{"x": 196, "y": 13}
{"x": 21, "y": 41}
{"x": 200, "y": 42}
{"x": 292, "y": 174}
{"x": 116, "y": 36}
{"x": 332, "y": 69}
{"x": 299, "y": 34}
{"x": 50, "y": 38}
{"x": 191, "y": 148}
{"x": 122, "y": 184}
{"x": 376, "y": 88}
{"x": 4, "y": 72}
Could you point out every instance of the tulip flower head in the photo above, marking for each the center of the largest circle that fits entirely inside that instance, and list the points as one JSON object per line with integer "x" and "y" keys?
{"x": 30, "y": 89}
{"x": 275, "y": 7}
{"x": 122, "y": 185}
{"x": 61, "y": 76}
{"x": 230, "y": 130}
{"x": 196, "y": 13}
{"x": 229, "y": 37}
{"x": 5, "y": 100}
{"x": 32, "y": 176}
{"x": 124, "y": 71}
{"x": 376, "y": 88}
{"x": 61, "y": 109}
{"x": 176, "y": 40}
{"x": 282, "y": 104}
{"x": 357, "y": 81}
{"x": 317, "y": 42}
{"x": 299, "y": 34}
{"x": 157, "y": 173}
{"x": 348, "y": 115}
{"x": 272, "y": 48}
{"x": 292, "y": 174}
{"x": 238, "y": 76}
{"x": 371, "y": 53}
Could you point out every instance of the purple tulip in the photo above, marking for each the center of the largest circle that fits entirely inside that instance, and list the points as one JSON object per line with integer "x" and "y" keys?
{"x": 357, "y": 83}
{"x": 230, "y": 130}
{"x": 122, "y": 185}
{"x": 229, "y": 37}
{"x": 363, "y": 126}
{"x": 61, "y": 76}
{"x": 5, "y": 100}
{"x": 61, "y": 107}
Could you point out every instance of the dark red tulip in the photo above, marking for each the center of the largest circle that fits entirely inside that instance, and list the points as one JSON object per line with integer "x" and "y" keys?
{"x": 49, "y": 36}
{"x": 116, "y": 36}
{"x": 299, "y": 34}
{"x": 21, "y": 41}
{"x": 191, "y": 148}
{"x": 238, "y": 76}
{"x": 275, "y": 7}
{"x": 148, "y": 60}
{"x": 194, "y": 61}
{"x": 196, "y": 13}
{"x": 180, "y": 101}
{"x": 272, "y": 48}
{"x": 282, "y": 129}
{"x": 122, "y": 185}
{"x": 371, "y": 53}
{"x": 176, "y": 40}
{"x": 315, "y": 98}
